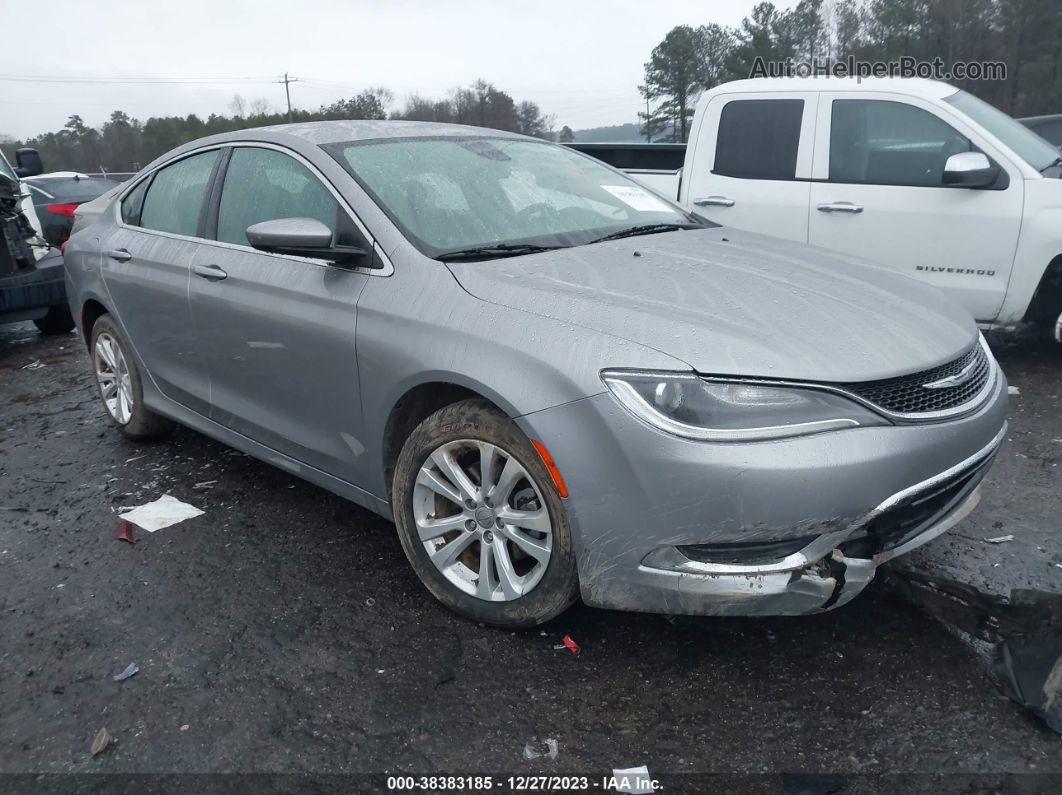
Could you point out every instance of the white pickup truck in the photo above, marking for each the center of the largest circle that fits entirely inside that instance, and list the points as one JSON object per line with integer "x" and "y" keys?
{"x": 915, "y": 174}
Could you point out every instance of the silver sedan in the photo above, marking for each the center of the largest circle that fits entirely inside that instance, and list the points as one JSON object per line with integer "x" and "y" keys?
{"x": 555, "y": 381}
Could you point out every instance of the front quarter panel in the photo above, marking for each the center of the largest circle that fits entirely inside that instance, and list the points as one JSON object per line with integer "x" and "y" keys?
{"x": 420, "y": 326}
{"x": 1039, "y": 243}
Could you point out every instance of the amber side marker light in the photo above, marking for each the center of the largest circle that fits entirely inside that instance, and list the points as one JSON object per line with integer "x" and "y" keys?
{"x": 551, "y": 467}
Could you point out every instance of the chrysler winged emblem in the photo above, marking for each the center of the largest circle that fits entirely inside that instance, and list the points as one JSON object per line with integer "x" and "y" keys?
{"x": 959, "y": 378}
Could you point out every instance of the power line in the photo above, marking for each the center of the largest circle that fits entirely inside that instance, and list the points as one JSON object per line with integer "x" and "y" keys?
{"x": 311, "y": 82}
{"x": 136, "y": 80}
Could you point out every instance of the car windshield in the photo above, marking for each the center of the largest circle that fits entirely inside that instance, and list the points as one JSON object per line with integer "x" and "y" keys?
{"x": 452, "y": 194}
{"x": 1029, "y": 146}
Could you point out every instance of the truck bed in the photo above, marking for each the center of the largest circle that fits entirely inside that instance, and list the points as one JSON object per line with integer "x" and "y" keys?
{"x": 658, "y": 166}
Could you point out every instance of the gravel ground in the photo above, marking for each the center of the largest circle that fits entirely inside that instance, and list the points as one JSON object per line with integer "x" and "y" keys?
{"x": 283, "y": 630}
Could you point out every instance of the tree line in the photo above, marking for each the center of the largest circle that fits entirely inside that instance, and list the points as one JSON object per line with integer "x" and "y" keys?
{"x": 1024, "y": 35}
{"x": 124, "y": 144}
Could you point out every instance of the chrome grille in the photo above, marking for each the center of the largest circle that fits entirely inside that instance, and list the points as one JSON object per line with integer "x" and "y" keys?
{"x": 908, "y": 394}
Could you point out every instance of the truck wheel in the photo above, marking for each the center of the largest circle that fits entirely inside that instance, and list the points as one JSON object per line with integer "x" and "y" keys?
{"x": 480, "y": 519}
{"x": 119, "y": 384}
{"x": 57, "y": 321}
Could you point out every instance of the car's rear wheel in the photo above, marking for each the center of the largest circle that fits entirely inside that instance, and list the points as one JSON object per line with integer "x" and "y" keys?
{"x": 57, "y": 321}
{"x": 480, "y": 519}
{"x": 120, "y": 388}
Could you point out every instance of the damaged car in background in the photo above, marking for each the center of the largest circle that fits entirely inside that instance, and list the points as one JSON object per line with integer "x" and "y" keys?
{"x": 553, "y": 380}
{"x": 32, "y": 284}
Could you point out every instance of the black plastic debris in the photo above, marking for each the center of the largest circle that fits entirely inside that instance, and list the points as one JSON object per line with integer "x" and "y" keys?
{"x": 1025, "y": 628}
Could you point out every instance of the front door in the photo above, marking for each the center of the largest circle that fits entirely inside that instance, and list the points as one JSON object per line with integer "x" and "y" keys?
{"x": 278, "y": 331}
{"x": 880, "y": 196}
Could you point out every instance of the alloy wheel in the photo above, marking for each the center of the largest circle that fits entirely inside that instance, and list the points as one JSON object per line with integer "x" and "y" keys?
{"x": 482, "y": 520}
{"x": 112, "y": 373}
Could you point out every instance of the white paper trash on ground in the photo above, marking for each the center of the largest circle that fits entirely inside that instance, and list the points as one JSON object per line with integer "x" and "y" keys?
{"x": 632, "y": 779}
{"x": 163, "y": 512}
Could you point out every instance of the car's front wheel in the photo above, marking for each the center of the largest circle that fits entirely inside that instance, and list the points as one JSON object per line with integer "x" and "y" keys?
{"x": 480, "y": 519}
{"x": 118, "y": 380}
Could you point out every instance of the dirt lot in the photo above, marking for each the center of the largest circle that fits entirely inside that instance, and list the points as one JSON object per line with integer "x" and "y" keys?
{"x": 283, "y": 631}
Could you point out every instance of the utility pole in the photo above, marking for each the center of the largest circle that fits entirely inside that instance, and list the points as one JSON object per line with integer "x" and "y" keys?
{"x": 287, "y": 90}
{"x": 648, "y": 122}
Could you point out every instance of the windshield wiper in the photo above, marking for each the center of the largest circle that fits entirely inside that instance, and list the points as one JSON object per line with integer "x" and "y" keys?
{"x": 645, "y": 229}
{"x": 494, "y": 251}
{"x": 1056, "y": 162}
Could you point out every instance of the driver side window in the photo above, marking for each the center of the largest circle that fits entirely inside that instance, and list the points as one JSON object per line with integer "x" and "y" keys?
{"x": 264, "y": 185}
{"x": 878, "y": 142}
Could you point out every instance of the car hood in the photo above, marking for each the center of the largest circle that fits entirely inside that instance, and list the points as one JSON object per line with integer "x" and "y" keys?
{"x": 736, "y": 303}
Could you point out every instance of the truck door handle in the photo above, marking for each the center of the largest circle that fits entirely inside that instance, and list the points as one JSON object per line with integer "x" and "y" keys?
{"x": 210, "y": 272}
{"x": 714, "y": 201}
{"x": 840, "y": 207}
{"x": 120, "y": 255}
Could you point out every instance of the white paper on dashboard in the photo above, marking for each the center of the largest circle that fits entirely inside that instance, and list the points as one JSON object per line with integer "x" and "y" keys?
{"x": 637, "y": 198}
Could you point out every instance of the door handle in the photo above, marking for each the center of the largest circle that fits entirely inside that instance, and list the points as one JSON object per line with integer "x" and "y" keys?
{"x": 120, "y": 255}
{"x": 714, "y": 201}
{"x": 210, "y": 272}
{"x": 840, "y": 207}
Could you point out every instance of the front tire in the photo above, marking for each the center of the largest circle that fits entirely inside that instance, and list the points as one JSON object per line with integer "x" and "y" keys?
{"x": 119, "y": 384}
{"x": 480, "y": 519}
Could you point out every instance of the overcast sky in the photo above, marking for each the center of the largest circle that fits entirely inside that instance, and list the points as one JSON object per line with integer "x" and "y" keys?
{"x": 579, "y": 59}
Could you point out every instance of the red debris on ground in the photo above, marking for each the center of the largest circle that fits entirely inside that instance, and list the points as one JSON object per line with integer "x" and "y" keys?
{"x": 570, "y": 644}
{"x": 124, "y": 531}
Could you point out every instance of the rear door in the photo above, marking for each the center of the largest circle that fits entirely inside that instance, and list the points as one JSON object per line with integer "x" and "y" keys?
{"x": 278, "y": 331}
{"x": 147, "y": 262}
{"x": 879, "y": 195}
{"x": 751, "y": 162}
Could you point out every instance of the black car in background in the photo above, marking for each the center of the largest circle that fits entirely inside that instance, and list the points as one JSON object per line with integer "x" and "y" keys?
{"x": 56, "y": 196}
{"x": 1047, "y": 127}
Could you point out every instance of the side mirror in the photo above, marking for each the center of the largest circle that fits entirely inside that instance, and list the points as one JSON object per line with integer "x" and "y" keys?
{"x": 970, "y": 170}
{"x": 304, "y": 237}
{"x": 28, "y": 162}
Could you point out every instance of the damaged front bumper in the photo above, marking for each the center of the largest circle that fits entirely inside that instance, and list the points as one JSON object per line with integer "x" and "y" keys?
{"x": 835, "y": 567}
{"x": 809, "y": 581}
{"x": 783, "y": 527}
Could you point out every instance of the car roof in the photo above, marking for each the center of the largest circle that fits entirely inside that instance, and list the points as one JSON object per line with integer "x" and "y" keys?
{"x": 328, "y": 132}
{"x": 304, "y": 136}
{"x": 916, "y": 86}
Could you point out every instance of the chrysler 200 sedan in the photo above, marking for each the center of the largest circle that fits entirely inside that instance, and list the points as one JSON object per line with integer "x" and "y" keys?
{"x": 555, "y": 382}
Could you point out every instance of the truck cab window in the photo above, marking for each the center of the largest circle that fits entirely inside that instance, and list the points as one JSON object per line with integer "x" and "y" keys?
{"x": 759, "y": 138}
{"x": 880, "y": 142}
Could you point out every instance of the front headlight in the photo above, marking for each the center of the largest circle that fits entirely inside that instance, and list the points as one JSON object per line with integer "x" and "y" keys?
{"x": 684, "y": 404}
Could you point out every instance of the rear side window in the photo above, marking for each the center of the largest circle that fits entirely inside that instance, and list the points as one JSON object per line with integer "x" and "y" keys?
{"x": 759, "y": 138}
{"x": 878, "y": 142}
{"x": 264, "y": 185}
{"x": 175, "y": 199}
{"x": 132, "y": 203}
